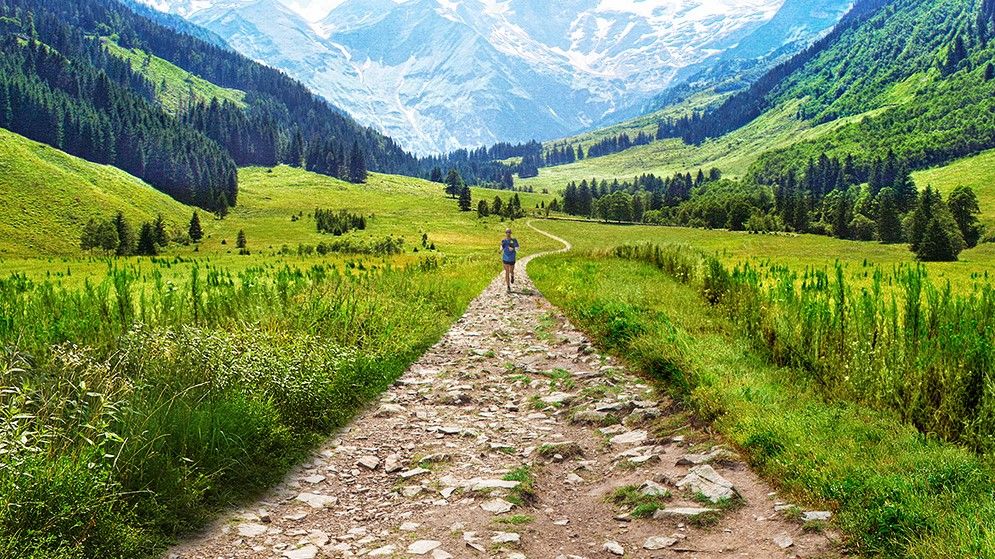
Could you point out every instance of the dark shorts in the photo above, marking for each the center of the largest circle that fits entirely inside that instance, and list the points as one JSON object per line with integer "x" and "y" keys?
{"x": 512, "y": 263}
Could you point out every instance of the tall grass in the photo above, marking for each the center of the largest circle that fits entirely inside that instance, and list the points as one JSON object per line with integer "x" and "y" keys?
{"x": 902, "y": 344}
{"x": 132, "y": 407}
{"x": 896, "y": 492}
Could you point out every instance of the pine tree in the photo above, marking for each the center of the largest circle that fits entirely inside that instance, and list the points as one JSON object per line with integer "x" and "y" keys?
{"x": 125, "y": 235}
{"x": 159, "y": 229}
{"x": 964, "y": 208}
{"x": 923, "y": 214}
{"x": 436, "y": 175}
{"x": 905, "y": 188}
{"x": 222, "y": 206}
{"x": 146, "y": 241}
{"x": 240, "y": 240}
{"x": 889, "y": 224}
{"x": 497, "y": 206}
{"x": 936, "y": 244}
{"x": 989, "y": 72}
{"x": 482, "y": 209}
{"x": 465, "y": 204}
{"x": 357, "y": 164}
{"x": 195, "y": 231}
{"x": 454, "y": 183}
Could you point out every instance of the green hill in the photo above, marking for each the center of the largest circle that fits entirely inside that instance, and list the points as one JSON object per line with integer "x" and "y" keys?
{"x": 47, "y": 196}
{"x": 977, "y": 172}
{"x": 175, "y": 88}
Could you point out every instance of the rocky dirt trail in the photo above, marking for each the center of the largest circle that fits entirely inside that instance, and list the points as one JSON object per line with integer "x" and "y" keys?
{"x": 508, "y": 439}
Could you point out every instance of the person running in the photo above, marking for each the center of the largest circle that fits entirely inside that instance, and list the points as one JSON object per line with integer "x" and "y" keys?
{"x": 509, "y": 253}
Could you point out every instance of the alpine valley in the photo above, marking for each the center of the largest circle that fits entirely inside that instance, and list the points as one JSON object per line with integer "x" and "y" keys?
{"x": 437, "y": 75}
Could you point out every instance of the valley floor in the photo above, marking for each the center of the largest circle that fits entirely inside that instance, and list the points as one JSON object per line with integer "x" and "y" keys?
{"x": 499, "y": 442}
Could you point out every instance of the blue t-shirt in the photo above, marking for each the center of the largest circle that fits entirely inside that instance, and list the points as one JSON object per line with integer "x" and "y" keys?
{"x": 508, "y": 250}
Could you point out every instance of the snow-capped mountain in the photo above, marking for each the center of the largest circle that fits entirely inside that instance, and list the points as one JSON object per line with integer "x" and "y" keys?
{"x": 442, "y": 74}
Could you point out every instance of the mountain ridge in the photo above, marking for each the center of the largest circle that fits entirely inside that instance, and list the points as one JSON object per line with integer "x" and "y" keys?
{"x": 562, "y": 68}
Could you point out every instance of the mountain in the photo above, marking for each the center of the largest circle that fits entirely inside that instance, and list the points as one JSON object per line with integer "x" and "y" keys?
{"x": 442, "y": 74}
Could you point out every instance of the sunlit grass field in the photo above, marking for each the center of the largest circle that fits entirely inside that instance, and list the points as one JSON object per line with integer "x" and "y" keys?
{"x": 798, "y": 252}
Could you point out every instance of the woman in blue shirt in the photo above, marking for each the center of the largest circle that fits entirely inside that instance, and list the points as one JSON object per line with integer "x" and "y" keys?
{"x": 509, "y": 253}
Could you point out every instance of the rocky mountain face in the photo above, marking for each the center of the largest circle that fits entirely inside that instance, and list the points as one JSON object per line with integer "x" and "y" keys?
{"x": 444, "y": 74}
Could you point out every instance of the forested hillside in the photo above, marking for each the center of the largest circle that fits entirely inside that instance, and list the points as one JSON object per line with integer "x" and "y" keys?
{"x": 60, "y": 85}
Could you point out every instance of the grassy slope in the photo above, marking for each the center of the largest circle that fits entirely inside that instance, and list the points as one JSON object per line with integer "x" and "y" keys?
{"x": 46, "y": 196}
{"x": 401, "y": 206}
{"x": 977, "y": 172}
{"x": 179, "y": 84}
{"x": 732, "y": 154}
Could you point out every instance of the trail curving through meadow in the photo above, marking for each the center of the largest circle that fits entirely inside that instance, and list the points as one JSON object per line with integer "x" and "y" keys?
{"x": 504, "y": 440}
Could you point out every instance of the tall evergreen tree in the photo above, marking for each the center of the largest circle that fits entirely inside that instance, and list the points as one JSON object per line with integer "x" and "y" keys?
{"x": 482, "y": 209}
{"x": 146, "y": 241}
{"x": 936, "y": 244}
{"x": 454, "y": 183}
{"x": 497, "y": 206}
{"x": 125, "y": 235}
{"x": 436, "y": 175}
{"x": 159, "y": 230}
{"x": 195, "y": 231}
{"x": 222, "y": 206}
{"x": 465, "y": 204}
{"x": 922, "y": 215}
{"x": 963, "y": 204}
{"x": 357, "y": 164}
{"x": 240, "y": 241}
{"x": 889, "y": 224}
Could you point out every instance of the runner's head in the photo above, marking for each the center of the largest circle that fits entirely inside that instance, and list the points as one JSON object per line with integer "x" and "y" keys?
{"x": 507, "y": 233}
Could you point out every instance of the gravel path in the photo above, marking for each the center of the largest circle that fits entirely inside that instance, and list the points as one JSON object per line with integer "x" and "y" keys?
{"x": 505, "y": 440}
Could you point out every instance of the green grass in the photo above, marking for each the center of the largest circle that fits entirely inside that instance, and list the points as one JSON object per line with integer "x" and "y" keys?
{"x": 47, "y": 196}
{"x": 897, "y": 493}
{"x": 635, "y": 503}
{"x": 798, "y": 252}
{"x": 175, "y": 88}
{"x": 525, "y": 493}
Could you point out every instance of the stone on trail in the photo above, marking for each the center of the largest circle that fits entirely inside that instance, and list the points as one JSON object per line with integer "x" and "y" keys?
{"x": 251, "y": 530}
{"x": 638, "y": 436}
{"x": 316, "y": 501}
{"x": 557, "y": 398}
{"x": 613, "y": 547}
{"x": 478, "y": 484}
{"x": 393, "y": 463}
{"x": 506, "y": 537}
{"x": 783, "y": 541}
{"x": 414, "y": 472}
{"x": 421, "y": 547}
{"x": 651, "y": 488}
{"x": 385, "y": 551}
{"x": 315, "y": 479}
{"x": 497, "y": 506}
{"x": 658, "y": 542}
{"x": 705, "y": 480}
{"x": 369, "y": 462}
{"x": 441, "y": 554}
{"x": 307, "y": 552}
{"x": 410, "y": 491}
{"x": 409, "y": 526}
{"x": 681, "y": 512}
{"x": 813, "y": 516}
{"x": 589, "y": 416}
{"x": 390, "y": 409}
